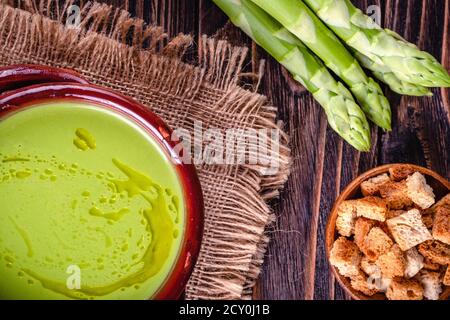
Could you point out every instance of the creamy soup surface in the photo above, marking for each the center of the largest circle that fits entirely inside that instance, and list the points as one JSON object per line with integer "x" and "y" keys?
{"x": 90, "y": 206}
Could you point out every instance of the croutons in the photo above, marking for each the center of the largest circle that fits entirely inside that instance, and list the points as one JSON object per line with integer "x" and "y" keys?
{"x": 414, "y": 263}
{"x": 361, "y": 283}
{"x": 428, "y": 214}
{"x": 431, "y": 283}
{"x": 373, "y": 208}
{"x": 392, "y": 263}
{"x": 370, "y": 268}
{"x": 396, "y": 239}
{"x": 362, "y": 229}
{"x": 376, "y": 279}
{"x": 419, "y": 191}
{"x": 428, "y": 218}
{"x": 446, "y": 280}
{"x": 429, "y": 265}
{"x": 401, "y": 172}
{"x": 383, "y": 284}
{"x": 441, "y": 226}
{"x": 346, "y": 257}
{"x": 408, "y": 229}
{"x": 445, "y": 201}
{"x": 396, "y": 195}
{"x": 405, "y": 289}
{"x": 372, "y": 186}
{"x": 376, "y": 243}
{"x": 394, "y": 213}
{"x": 436, "y": 252}
{"x": 345, "y": 221}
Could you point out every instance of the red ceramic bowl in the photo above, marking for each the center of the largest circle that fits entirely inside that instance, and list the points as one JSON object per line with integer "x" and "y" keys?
{"x": 25, "y": 85}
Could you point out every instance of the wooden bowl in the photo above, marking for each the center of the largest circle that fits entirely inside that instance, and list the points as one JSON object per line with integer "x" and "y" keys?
{"x": 441, "y": 187}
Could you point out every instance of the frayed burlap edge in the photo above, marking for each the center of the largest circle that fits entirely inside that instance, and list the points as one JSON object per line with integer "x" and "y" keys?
{"x": 112, "y": 49}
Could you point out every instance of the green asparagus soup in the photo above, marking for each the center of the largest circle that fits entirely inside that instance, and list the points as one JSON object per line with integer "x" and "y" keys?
{"x": 90, "y": 206}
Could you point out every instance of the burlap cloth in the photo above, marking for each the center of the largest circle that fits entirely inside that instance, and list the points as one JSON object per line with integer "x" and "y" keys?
{"x": 111, "y": 49}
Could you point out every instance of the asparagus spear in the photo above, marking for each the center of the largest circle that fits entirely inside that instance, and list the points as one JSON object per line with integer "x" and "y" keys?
{"x": 384, "y": 74}
{"x": 295, "y": 16}
{"x": 382, "y": 46}
{"x": 344, "y": 115}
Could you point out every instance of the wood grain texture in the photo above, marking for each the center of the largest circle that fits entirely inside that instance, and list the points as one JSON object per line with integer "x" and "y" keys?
{"x": 296, "y": 266}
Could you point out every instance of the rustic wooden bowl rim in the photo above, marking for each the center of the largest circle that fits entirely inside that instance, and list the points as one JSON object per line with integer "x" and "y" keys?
{"x": 331, "y": 224}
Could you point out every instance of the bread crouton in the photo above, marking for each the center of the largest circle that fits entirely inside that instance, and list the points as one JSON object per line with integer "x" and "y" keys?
{"x": 445, "y": 201}
{"x": 383, "y": 284}
{"x": 376, "y": 243}
{"x": 431, "y": 283}
{"x": 362, "y": 229}
{"x": 405, "y": 289}
{"x": 394, "y": 213}
{"x": 376, "y": 279}
{"x": 372, "y": 186}
{"x": 346, "y": 257}
{"x": 419, "y": 191}
{"x": 370, "y": 268}
{"x": 384, "y": 227}
{"x": 392, "y": 263}
{"x": 436, "y": 252}
{"x": 447, "y": 277}
{"x": 428, "y": 265}
{"x": 345, "y": 221}
{"x": 428, "y": 214}
{"x": 428, "y": 218}
{"x": 408, "y": 229}
{"x": 441, "y": 226}
{"x": 414, "y": 263}
{"x": 373, "y": 208}
{"x": 361, "y": 283}
{"x": 401, "y": 172}
{"x": 396, "y": 194}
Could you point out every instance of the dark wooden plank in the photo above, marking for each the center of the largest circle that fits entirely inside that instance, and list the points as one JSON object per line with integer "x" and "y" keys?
{"x": 176, "y": 16}
{"x": 418, "y": 121}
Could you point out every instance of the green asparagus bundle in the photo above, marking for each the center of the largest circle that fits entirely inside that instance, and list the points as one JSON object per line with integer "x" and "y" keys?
{"x": 381, "y": 47}
{"x": 344, "y": 115}
{"x": 295, "y": 16}
{"x": 384, "y": 74}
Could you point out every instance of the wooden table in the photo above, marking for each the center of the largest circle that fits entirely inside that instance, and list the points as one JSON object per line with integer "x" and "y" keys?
{"x": 296, "y": 266}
